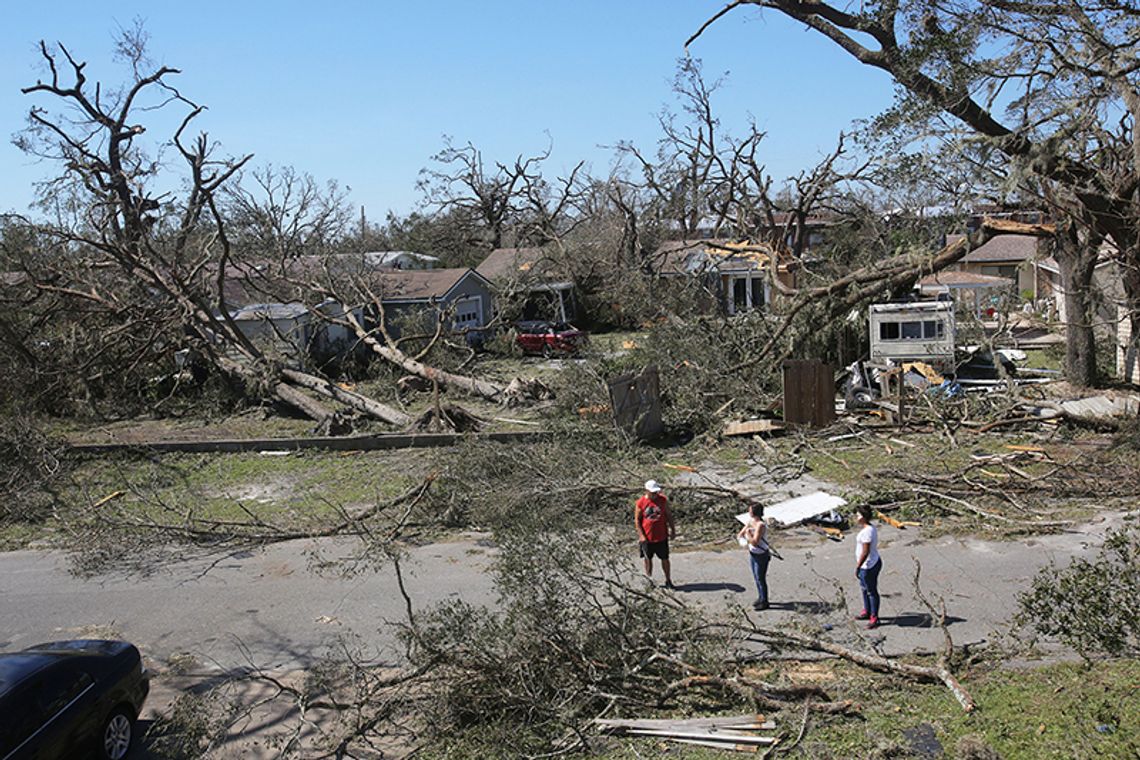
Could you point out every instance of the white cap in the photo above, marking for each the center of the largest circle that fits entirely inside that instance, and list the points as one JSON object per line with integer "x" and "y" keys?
{"x": 652, "y": 486}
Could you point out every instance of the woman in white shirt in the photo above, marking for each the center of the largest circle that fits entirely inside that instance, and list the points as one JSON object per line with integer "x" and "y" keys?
{"x": 868, "y": 565}
{"x": 754, "y": 535}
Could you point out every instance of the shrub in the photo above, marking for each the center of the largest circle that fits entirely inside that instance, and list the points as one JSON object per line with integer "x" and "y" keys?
{"x": 1091, "y": 605}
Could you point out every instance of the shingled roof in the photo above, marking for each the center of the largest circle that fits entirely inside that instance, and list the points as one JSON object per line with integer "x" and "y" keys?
{"x": 968, "y": 280}
{"x": 1000, "y": 248}
{"x": 513, "y": 263}
{"x": 418, "y": 284}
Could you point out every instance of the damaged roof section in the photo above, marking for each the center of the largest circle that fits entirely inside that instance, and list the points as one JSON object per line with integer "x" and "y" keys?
{"x": 680, "y": 257}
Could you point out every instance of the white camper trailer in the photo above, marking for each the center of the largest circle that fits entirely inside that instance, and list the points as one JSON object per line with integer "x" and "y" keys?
{"x": 917, "y": 331}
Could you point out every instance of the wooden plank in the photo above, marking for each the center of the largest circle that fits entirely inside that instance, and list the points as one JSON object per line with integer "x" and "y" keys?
{"x": 714, "y": 735}
{"x": 752, "y": 427}
{"x": 725, "y": 747}
{"x": 741, "y": 722}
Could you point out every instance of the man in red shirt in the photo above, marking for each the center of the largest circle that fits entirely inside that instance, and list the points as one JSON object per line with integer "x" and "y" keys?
{"x": 654, "y": 523}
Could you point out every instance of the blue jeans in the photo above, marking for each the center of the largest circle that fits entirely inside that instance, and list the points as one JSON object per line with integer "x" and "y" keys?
{"x": 759, "y": 564}
{"x": 869, "y": 583}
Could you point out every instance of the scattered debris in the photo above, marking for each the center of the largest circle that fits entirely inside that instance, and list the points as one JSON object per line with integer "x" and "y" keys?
{"x": 522, "y": 390}
{"x": 1095, "y": 410}
{"x": 797, "y": 510}
{"x": 752, "y": 427}
{"x": 726, "y": 733}
{"x": 448, "y": 417}
{"x": 108, "y": 497}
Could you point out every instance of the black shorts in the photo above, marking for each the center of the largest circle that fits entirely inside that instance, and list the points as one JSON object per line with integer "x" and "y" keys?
{"x": 651, "y": 549}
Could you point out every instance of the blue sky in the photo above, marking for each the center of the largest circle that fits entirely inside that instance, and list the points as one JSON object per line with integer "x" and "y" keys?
{"x": 363, "y": 93}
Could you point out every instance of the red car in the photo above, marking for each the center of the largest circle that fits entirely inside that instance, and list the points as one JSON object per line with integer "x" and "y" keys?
{"x": 550, "y": 338}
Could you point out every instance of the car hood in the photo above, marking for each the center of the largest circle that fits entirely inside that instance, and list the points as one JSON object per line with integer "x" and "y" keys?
{"x": 83, "y": 646}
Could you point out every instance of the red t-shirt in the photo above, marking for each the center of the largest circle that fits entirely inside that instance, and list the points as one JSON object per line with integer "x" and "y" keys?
{"x": 651, "y": 512}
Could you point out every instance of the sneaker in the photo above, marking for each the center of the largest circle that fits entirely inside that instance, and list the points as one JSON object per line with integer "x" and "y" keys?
{"x": 669, "y": 585}
{"x": 864, "y": 615}
{"x": 759, "y": 605}
{"x": 874, "y": 623}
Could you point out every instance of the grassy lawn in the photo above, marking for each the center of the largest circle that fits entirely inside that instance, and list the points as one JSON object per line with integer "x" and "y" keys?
{"x": 296, "y": 488}
{"x": 1066, "y": 710}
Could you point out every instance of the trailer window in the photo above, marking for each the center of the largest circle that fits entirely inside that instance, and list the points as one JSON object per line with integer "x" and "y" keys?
{"x": 912, "y": 331}
{"x": 888, "y": 331}
{"x": 932, "y": 329}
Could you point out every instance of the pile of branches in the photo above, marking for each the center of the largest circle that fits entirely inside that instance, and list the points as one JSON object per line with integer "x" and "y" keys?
{"x": 1015, "y": 490}
{"x": 32, "y": 464}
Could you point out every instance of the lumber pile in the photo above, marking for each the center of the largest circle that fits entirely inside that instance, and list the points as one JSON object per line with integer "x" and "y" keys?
{"x": 731, "y": 733}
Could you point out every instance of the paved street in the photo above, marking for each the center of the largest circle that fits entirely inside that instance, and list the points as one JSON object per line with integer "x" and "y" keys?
{"x": 270, "y": 605}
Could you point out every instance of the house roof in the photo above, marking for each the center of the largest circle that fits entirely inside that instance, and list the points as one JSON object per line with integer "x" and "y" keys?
{"x": 692, "y": 256}
{"x": 271, "y": 311}
{"x": 420, "y": 284}
{"x": 1016, "y": 248}
{"x": 507, "y": 263}
{"x": 962, "y": 281}
{"x": 391, "y": 259}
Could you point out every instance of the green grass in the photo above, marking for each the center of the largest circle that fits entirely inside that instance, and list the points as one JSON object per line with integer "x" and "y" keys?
{"x": 1061, "y": 710}
{"x": 296, "y": 488}
{"x": 1055, "y": 711}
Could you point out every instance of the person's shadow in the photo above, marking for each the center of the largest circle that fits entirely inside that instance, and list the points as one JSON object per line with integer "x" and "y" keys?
{"x": 918, "y": 620}
{"x": 806, "y": 608}
{"x": 734, "y": 587}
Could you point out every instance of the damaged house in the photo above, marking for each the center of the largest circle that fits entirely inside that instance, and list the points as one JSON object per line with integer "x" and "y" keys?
{"x": 737, "y": 276}
{"x": 531, "y": 277}
{"x": 273, "y": 314}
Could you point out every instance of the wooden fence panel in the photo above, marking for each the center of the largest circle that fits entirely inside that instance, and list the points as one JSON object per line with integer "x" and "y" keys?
{"x": 809, "y": 393}
{"x": 636, "y": 404}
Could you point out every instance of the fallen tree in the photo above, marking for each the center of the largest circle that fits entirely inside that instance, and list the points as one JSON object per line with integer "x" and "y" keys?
{"x": 170, "y": 252}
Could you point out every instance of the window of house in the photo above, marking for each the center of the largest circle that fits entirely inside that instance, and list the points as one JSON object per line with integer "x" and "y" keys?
{"x": 740, "y": 294}
{"x": 1008, "y": 271}
{"x": 757, "y": 292}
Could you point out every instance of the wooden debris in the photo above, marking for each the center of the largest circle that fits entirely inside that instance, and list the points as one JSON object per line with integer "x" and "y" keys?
{"x": 736, "y": 722}
{"x": 681, "y": 467}
{"x": 750, "y": 748}
{"x": 108, "y": 497}
{"x": 721, "y": 732}
{"x": 719, "y": 737}
{"x": 752, "y": 427}
{"x": 891, "y": 521}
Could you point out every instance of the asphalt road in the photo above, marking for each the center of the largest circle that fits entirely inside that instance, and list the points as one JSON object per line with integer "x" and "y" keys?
{"x": 270, "y": 609}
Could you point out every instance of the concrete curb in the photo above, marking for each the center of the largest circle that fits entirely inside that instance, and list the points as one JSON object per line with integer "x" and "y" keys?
{"x": 326, "y": 443}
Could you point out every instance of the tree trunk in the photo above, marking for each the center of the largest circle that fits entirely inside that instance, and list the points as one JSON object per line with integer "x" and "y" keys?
{"x": 1077, "y": 262}
{"x": 354, "y": 400}
{"x": 469, "y": 385}
{"x": 294, "y": 398}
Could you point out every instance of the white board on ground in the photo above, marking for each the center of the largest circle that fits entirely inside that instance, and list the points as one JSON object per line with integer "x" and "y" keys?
{"x": 795, "y": 511}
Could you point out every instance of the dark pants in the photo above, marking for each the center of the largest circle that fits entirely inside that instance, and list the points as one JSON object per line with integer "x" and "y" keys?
{"x": 759, "y": 564}
{"x": 869, "y": 583}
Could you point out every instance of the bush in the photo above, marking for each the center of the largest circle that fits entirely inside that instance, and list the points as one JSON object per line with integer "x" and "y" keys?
{"x": 1092, "y": 605}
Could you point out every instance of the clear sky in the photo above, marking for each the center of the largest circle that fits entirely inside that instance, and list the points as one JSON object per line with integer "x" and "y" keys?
{"x": 363, "y": 92}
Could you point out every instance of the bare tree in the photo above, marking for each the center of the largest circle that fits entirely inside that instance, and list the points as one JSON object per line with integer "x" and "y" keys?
{"x": 1064, "y": 77}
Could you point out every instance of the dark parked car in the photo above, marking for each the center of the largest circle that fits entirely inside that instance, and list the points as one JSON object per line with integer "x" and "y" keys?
{"x": 550, "y": 338}
{"x": 71, "y": 699}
